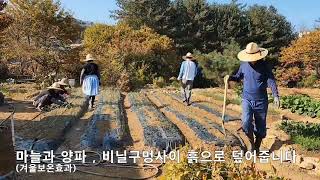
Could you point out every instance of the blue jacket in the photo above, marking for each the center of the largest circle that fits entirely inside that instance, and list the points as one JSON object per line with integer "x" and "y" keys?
{"x": 256, "y": 78}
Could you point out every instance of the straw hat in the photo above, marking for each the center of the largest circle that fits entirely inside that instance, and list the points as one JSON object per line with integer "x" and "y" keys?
{"x": 188, "y": 56}
{"x": 55, "y": 86}
{"x": 252, "y": 53}
{"x": 64, "y": 82}
{"x": 89, "y": 57}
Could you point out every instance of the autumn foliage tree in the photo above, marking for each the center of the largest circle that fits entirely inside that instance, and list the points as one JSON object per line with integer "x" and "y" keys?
{"x": 38, "y": 37}
{"x": 5, "y": 20}
{"x": 300, "y": 61}
{"x": 130, "y": 58}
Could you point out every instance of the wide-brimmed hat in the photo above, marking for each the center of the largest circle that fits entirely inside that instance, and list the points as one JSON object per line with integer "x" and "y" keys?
{"x": 89, "y": 57}
{"x": 55, "y": 86}
{"x": 252, "y": 53}
{"x": 64, "y": 82}
{"x": 188, "y": 56}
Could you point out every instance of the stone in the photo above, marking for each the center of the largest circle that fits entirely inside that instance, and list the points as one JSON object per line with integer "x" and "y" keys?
{"x": 1, "y": 99}
{"x": 312, "y": 160}
{"x": 269, "y": 142}
{"x": 317, "y": 170}
{"x": 299, "y": 159}
{"x": 306, "y": 165}
{"x": 283, "y": 136}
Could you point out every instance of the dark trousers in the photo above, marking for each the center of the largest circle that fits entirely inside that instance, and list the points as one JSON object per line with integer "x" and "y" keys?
{"x": 256, "y": 110}
{"x": 91, "y": 100}
{"x": 186, "y": 90}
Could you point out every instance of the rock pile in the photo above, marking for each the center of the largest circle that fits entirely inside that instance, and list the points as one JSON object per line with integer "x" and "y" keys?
{"x": 277, "y": 141}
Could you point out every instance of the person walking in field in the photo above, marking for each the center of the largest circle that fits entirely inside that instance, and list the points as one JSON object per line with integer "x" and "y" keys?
{"x": 188, "y": 72}
{"x": 257, "y": 76}
{"x": 90, "y": 79}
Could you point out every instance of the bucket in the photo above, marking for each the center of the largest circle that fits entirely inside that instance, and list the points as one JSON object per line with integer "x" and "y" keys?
{"x": 72, "y": 82}
{"x": 7, "y": 154}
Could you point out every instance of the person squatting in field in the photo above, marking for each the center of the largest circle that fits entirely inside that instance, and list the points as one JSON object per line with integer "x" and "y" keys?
{"x": 53, "y": 95}
{"x": 63, "y": 84}
{"x": 188, "y": 72}
{"x": 90, "y": 79}
{"x": 257, "y": 76}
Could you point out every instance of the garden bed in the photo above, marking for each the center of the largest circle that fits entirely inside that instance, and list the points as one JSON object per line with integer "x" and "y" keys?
{"x": 105, "y": 130}
{"x": 206, "y": 108}
{"x": 158, "y": 131}
{"x": 194, "y": 127}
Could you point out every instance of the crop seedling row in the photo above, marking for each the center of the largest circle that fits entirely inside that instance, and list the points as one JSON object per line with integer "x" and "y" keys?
{"x": 301, "y": 104}
{"x": 305, "y": 134}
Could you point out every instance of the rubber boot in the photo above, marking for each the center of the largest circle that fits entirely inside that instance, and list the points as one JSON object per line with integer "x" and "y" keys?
{"x": 92, "y": 101}
{"x": 252, "y": 144}
{"x": 257, "y": 144}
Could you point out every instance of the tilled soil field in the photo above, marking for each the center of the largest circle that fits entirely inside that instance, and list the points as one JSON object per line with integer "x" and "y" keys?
{"x": 147, "y": 120}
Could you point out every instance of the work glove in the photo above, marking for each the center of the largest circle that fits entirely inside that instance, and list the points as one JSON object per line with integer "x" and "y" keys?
{"x": 277, "y": 102}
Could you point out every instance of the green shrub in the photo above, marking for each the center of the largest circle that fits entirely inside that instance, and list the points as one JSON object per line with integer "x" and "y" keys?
{"x": 159, "y": 82}
{"x": 216, "y": 65}
{"x": 4, "y": 90}
{"x": 239, "y": 90}
{"x": 308, "y": 143}
{"x": 211, "y": 170}
{"x": 176, "y": 84}
{"x": 307, "y": 135}
{"x": 141, "y": 53}
{"x": 309, "y": 81}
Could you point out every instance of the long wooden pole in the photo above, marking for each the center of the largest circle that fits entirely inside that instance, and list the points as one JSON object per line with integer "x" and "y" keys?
{"x": 224, "y": 102}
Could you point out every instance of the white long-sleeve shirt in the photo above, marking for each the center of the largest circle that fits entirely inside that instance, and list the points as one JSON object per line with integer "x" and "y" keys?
{"x": 188, "y": 70}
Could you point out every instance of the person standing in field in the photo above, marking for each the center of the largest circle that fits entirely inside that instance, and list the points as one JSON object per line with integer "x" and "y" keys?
{"x": 257, "y": 76}
{"x": 188, "y": 72}
{"x": 90, "y": 79}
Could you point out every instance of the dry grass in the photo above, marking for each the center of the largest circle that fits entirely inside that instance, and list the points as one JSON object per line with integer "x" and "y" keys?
{"x": 19, "y": 91}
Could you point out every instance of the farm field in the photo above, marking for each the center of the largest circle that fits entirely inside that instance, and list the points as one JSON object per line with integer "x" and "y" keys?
{"x": 151, "y": 119}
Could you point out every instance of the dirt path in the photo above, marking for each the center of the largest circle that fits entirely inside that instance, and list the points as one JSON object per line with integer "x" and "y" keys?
{"x": 24, "y": 111}
{"x": 135, "y": 129}
{"x": 72, "y": 138}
